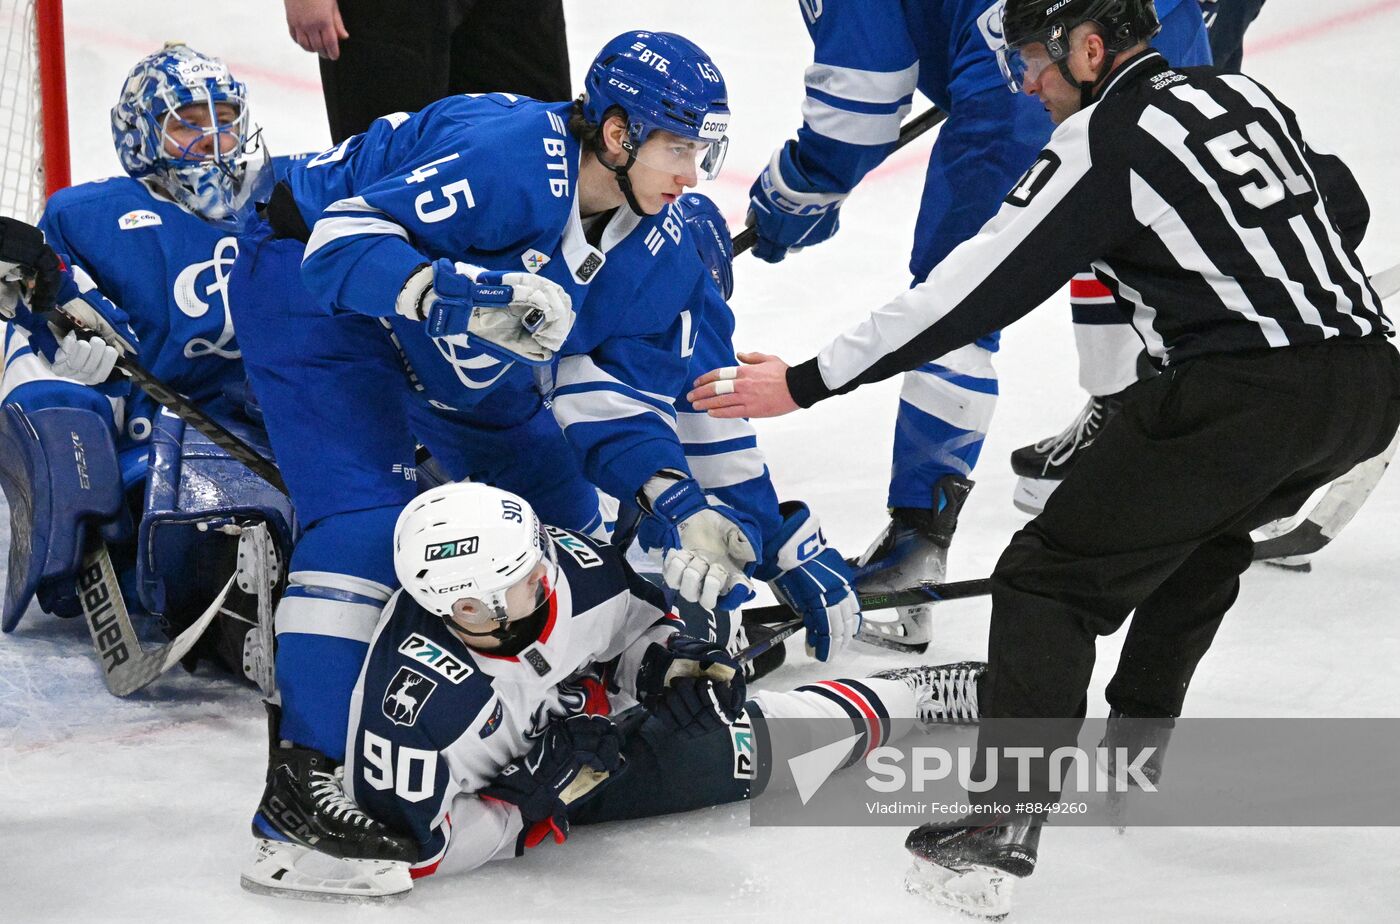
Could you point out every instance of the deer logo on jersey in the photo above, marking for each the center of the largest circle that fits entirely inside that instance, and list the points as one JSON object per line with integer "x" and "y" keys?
{"x": 204, "y": 286}
{"x": 408, "y": 691}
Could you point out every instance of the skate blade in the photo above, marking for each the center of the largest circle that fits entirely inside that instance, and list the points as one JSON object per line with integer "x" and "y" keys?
{"x": 1032, "y": 493}
{"x": 905, "y": 633}
{"x": 285, "y": 870}
{"x": 1298, "y": 563}
{"x": 980, "y": 891}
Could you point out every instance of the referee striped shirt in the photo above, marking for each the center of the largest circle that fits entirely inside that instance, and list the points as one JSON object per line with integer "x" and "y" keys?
{"x": 1196, "y": 201}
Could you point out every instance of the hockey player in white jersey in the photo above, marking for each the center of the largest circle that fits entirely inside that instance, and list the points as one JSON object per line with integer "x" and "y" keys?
{"x": 526, "y": 679}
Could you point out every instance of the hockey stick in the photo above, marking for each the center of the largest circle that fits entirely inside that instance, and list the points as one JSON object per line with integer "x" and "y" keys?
{"x": 186, "y": 410}
{"x": 1387, "y": 282}
{"x": 925, "y": 592}
{"x": 126, "y": 667}
{"x": 1284, "y": 542}
{"x": 910, "y": 130}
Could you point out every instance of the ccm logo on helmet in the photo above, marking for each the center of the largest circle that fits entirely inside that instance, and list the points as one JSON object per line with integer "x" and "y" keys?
{"x": 624, "y": 87}
{"x": 457, "y": 547}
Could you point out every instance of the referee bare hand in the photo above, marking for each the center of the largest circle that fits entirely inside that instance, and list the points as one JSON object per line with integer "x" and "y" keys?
{"x": 758, "y": 388}
{"x": 316, "y": 26}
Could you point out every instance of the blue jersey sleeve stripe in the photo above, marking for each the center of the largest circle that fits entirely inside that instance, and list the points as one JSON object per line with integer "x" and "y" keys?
{"x": 852, "y": 106}
{"x": 726, "y": 469}
{"x": 852, "y": 127}
{"x": 863, "y": 86}
{"x": 602, "y": 407}
{"x": 634, "y": 394}
{"x": 715, "y": 449}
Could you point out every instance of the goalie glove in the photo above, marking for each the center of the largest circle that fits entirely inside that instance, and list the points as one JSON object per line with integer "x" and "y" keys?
{"x": 691, "y": 685}
{"x": 28, "y": 268}
{"x": 788, "y": 213}
{"x": 518, "y": 317}
{"x": 709, "y": 545}
{"x": 812, "y": 578}
{"x": 567, "y": 763}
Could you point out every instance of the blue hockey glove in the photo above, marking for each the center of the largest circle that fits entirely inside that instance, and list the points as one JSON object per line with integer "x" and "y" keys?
{"x": 812, "y": 578}
{"x": 568, "y": 762}
{"x": 518, "y": 317}
{"x": 712, "y": 240}
{"x": 691, "y": 685}
{"x": 789, "y": 214}
{"x": 89, "y": 353}
{"x": 709, "y": 545}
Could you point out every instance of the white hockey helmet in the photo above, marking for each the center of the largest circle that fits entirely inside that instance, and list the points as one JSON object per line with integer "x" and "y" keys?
{"x": 467, "y": 540}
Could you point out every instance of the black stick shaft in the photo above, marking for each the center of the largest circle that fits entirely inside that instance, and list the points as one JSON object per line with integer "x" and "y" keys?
{"x": 907, "y": 133}
{"x": 928, "y": 592}
{"x": 189, "y": 412}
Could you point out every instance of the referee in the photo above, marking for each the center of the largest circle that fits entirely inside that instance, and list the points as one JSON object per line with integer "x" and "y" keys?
{"x": 1231, "y": 245}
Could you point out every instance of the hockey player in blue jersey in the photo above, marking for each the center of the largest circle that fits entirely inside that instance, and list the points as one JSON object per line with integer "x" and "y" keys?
{"x": 724, "y": 456}
{"x": 453, "y": 278}
{"x": 148, "y": 258}
{"x": 870, "y": 57}
{"x": 526, "y": 679}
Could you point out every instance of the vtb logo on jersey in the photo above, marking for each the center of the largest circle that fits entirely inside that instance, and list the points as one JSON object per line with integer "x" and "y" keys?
{"x": 407, "y": 693}
{"x": 454, "y": 549}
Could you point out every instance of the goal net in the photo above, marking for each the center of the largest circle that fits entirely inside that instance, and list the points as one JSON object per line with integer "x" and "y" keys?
{"x": 33, "y": 106}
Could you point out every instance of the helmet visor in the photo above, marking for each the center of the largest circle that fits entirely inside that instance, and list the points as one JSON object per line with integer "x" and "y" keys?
{"x": 681, "y": 156}
{"x": 1023, "y": 64}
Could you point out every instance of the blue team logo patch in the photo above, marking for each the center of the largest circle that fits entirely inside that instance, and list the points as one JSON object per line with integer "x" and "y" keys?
{"x": 431, "y": 655}
{"x": 407, "y": 693}
{"x": 493, "y": 723}
{"x": 138, "y": 219}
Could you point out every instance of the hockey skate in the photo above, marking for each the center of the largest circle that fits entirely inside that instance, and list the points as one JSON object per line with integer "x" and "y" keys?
{"x": 1133, "y": 736}
{"x": 912, "y": 548}
{"x": 1043, "y": 465}
{"x": 944, "y": 694}
{"x": 973, "y": 868}
{"x": 313, "y": 842}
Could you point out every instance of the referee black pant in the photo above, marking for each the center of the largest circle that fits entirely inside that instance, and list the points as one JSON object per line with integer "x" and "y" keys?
{"x": 402, "y": 56}
{"x": 1156, "y": 518}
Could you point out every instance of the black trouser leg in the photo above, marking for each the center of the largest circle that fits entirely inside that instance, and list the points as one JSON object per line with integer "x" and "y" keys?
{"x": 516, "y": 47}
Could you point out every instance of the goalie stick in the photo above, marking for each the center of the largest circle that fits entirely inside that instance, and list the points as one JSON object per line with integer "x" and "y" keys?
{"x": 185, "y": 409}
{"x": 910, "y": 130}
{"x": 126, "y": 666}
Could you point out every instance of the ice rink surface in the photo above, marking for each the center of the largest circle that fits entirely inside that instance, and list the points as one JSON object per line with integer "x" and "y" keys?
{"x": 138, "y": 810}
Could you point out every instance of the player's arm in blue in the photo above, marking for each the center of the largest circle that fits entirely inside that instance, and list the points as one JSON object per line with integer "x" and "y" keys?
{"x": 723, "y": 453}
{"x": 433, "y": 187}
{"x": 859, "y": 88}
{"x": 617, "y": 409}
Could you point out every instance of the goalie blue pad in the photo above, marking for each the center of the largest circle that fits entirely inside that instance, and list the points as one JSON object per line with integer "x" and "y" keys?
{"x": 60, "y": 474}
{"x": 197, "y": 497}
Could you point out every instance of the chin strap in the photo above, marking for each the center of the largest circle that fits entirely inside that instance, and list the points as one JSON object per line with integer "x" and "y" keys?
{"x": 1087, "y": 90}
{"x": 624, "y": 182}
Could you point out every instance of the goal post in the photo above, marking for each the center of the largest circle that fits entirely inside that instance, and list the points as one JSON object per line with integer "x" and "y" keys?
{"x": 33, "y": 106}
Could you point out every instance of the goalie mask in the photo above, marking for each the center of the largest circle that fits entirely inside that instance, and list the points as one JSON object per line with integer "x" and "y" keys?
{"x": 182, "y": 121}
{"x": 479, "y": 558}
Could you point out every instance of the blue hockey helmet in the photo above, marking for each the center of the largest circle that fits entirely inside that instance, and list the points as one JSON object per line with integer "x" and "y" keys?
{"x": 209, "y": 179}
{"x": 711, "y": 235}
{"x": 661, "y": 81}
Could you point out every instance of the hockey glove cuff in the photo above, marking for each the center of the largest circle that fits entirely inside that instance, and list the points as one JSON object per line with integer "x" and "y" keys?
{"x": 517, "y": 317}
{"x": 788, "y": 212}
{"x": 567, "y": 764}
{"x": 691, "y": 685}
{"x": 711, "y": 546}
{"x": 812, "y": 578}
